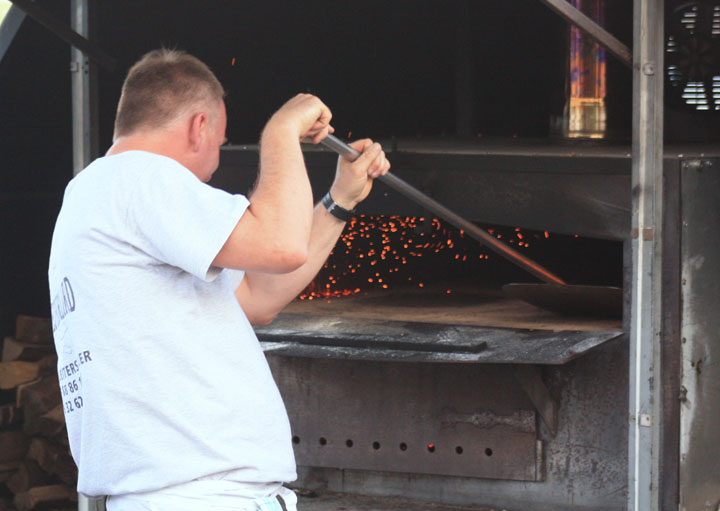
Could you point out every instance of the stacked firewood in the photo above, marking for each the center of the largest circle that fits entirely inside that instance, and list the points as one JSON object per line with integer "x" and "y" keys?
{"x": 36, "y": 469}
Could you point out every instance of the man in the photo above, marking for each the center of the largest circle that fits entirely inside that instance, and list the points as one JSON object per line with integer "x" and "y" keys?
{"x": 155, "y": 279}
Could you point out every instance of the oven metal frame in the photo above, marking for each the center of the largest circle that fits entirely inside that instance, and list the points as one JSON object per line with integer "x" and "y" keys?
{"x": 646, "y": 343}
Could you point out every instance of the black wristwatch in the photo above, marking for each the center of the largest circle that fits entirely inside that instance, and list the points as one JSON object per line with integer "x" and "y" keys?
{"x": 336, "y": 210}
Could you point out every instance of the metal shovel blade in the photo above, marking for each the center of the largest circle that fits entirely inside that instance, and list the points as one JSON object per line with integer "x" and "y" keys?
{"x": 590, "y": 301}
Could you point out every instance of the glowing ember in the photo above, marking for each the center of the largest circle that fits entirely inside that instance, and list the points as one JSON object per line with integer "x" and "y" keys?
{"x": 375, "y": 252}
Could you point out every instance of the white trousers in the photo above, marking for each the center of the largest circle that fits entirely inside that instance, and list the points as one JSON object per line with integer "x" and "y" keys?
{"x": 208, "y": 495}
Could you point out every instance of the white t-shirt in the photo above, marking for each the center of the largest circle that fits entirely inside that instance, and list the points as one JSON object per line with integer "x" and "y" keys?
{"x": 162, "y": 377}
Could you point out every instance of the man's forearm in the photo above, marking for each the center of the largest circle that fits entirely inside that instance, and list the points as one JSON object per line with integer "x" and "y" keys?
{"x": 283, "y": 196}
{"x": 272, "y": 235}
{"x": 263, "y": 295}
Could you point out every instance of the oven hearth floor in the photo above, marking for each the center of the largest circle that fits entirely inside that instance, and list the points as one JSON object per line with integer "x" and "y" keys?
{"x": 344, "y": 502}
{"x": 476, "y": 307}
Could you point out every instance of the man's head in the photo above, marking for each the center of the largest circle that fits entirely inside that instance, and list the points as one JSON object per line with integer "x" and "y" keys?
{"x": 173, "y": 102}
{"x": 163, "y": 86}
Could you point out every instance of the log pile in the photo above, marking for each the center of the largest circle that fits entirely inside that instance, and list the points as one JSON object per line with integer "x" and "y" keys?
{"x": 36, "y": 469}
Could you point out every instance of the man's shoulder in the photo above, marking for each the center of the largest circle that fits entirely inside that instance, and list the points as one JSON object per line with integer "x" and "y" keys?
{"x": 111, "y": 167}
{"x": 132, "y": 161}
{"x": 129, "y": 167}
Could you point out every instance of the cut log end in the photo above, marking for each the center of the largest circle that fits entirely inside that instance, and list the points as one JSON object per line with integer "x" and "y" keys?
{"x": 13, "y": 374}
{"x": 42, "y": 496}
{"x": 34, "y": 330}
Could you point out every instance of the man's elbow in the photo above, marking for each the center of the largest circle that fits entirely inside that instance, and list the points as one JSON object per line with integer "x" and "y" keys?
{"x": 292, "y": 259}
{"x": 261, "y": 320}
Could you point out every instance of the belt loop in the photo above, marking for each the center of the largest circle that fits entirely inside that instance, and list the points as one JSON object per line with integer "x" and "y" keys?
{"x": 282, "y": 503}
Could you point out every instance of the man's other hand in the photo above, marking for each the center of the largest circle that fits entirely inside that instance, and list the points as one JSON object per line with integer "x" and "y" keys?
{"x": 353, "y": 180}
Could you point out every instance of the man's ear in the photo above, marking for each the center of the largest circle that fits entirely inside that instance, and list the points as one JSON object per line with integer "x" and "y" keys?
{"x": 198, "y": 129}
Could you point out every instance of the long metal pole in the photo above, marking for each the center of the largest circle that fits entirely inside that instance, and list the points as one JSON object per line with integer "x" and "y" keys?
{"x": 84, "y": 92}
{"x": 645, "y": 399}
{"x": 434, "y": 206}
{"x": 85, "y": 136}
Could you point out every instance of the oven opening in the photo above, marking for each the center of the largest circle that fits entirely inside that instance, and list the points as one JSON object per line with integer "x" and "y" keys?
{"x": 393, "y": 260}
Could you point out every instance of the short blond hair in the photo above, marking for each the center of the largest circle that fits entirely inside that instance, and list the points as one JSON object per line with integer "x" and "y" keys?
{"x": 162, "y": 85}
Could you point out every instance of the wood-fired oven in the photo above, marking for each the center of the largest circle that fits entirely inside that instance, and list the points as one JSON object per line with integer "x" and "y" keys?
{"x": 428, "y": 381}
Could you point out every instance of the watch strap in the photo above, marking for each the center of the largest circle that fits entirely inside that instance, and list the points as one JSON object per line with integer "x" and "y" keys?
{"x": 336, "y": 210}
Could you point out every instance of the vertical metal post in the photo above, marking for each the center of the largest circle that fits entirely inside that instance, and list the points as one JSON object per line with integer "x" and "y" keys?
{"x": 645, "y": 414}
{"x": 84, "y": 92}
{"x": 85, "y": 134}
{"x": 86, "y": 503}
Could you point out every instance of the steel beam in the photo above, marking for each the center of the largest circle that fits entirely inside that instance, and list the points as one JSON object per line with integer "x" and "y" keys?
{"x": 84, "y": 92}
{"x": 591, "y": 28}
{"x": 645, "y": 396}
{"x": 65, "y": 33}
{"x": 9, "y": 27}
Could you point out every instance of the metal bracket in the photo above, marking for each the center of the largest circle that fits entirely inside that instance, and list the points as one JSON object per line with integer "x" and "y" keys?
{"x": 65, "y": 33}
{"x": 531, "y": 382}
{"x": 645, "y": 420}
